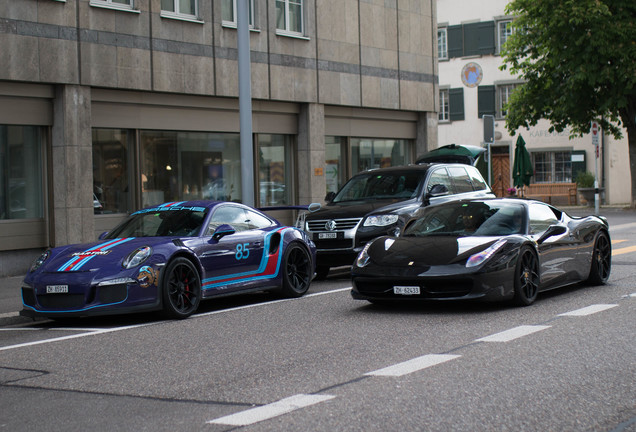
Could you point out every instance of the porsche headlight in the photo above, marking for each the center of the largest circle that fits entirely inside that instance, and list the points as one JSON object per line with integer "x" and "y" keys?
{"x": 480, "y": 257}
{"x": 40, "y": 260}
{"x": 381, "y": 220}
{"x": 137, "y": 257}
{"x": 363, "y": 257}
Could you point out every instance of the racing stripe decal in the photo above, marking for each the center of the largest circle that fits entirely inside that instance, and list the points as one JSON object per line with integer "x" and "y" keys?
{"x": 268, "y": 269}
{"x": 78, "y": 260}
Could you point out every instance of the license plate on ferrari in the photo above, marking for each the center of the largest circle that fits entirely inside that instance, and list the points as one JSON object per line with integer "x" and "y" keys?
{"x": 406, "y": 290}
{"x": 56, "y": 289}
{"x": 327, "y": 235}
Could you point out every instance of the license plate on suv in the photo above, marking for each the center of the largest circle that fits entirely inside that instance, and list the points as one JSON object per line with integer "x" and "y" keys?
{"x": 327, "y": 235}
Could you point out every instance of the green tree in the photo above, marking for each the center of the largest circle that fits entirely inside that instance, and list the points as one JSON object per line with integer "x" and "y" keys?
{"x": 577, "y": 59}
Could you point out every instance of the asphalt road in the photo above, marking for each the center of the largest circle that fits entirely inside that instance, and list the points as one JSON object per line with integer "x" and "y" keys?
{"x": 326, "y": 362}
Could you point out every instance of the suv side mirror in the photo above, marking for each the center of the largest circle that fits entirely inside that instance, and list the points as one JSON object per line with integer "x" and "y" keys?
{"x": 553, "y": 230}
{"x": 437, "y": 190}
{"x": 330, "y": 196}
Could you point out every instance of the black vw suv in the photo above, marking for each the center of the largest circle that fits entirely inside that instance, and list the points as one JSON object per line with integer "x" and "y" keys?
{"x": 379, "y": 202}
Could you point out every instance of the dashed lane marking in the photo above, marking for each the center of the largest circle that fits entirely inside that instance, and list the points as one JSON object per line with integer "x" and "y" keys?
{"x": 624, "y": 250}
{"x": 413, "y": 365}
{"x": 589, "y": 310}
{"x": 513, "y": 333}
{"x": 265, "y": 412}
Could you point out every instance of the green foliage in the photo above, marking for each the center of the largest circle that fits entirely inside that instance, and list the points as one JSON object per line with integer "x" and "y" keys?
{"x": 585, "y": 179}
{"x": 577, "y": 59}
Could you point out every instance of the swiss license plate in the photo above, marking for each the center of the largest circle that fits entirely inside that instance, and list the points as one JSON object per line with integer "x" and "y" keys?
{"x": 406, "y": 290}
{"x": 56, "y": 289}
{"x": 330, "y": 235}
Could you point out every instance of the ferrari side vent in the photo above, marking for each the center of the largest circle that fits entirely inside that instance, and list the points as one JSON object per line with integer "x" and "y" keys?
{"x": 274, "y": 244}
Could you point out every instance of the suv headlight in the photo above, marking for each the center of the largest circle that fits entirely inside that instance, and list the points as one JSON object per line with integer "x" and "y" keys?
{"x": 380, "y": 220}
{"x": 137, "y": 257}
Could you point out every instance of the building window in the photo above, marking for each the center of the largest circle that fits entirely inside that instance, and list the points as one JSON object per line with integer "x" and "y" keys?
{"x": 119, "y": 4}
{"x": 504, "y": 30}
{"x": 552, "y": 167}
{"x": 274, "y": 169}
{"x": 442, "y": 46}
{"x": 179, "y": 166}
{"x": 186, "y": 9}
{"x": 503, "y": 96}
{"x": 289, "y": 17}
{"x": 21, "y": 167}
{"x": 444, "y": 113}
{"x": 228, "y": 13}
{"x": 112, "y": 171}
{"x": 335, "y": 162}
{"x": 367, "y": 153}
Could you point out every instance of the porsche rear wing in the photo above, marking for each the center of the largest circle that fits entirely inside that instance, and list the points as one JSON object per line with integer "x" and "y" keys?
{"x": 302, "y": 212}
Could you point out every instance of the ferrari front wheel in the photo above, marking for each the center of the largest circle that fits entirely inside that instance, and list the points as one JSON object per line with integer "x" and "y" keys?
{"x": 526, "y": 282}
{"x": 297, "y": 271}
{"x": 601, "y": 260}
{"x": 181, "y": 289}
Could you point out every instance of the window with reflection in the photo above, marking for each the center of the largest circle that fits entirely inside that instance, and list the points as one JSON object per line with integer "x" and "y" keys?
{"x": 21, "y": 168}
{"x": 112, "y": 171}
{"x": 274, "y": 169}
{"x": 368, "y": 153}
{"x": 335, "y": 162}
{"x": 180, "y": 166}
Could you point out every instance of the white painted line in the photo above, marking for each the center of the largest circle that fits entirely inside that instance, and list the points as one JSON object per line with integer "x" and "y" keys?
{"x": 622, "y": 227}
{"x": 265, "y": 412}
{"x": 9, "y": 315}
{"x": 413, "y": 365}
{"x": 589, "y": 310}
{"x": 512, "y": 334}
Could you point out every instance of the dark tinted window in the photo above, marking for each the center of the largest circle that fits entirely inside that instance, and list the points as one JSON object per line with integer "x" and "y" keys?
{"x": 440, "y": 176}
{"x": 541, "y": 217}
{"x": 381, "y": 185}
{"x": 461, "y": 180}
{"x": 476, "y": 178}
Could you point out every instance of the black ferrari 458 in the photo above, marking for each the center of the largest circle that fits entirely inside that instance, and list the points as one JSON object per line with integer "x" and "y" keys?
{"x": 488, "y": 249}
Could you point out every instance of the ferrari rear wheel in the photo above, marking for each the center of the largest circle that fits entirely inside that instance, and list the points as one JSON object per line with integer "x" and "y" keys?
{"x": 526, "y": 278}
{"x": 601, "y": 260}
{"x": 181, "y": 289}
{"x": 296, "y": 271}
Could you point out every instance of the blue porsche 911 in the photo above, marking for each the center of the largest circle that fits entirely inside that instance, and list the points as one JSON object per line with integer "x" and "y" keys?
{"x": 169, "y": 258}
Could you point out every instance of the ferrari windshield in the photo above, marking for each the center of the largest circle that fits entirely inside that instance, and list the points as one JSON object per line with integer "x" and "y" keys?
{"x": 157, "y": 222}
{"x": 373, "y": 186}
{"x": 474, "y": 218}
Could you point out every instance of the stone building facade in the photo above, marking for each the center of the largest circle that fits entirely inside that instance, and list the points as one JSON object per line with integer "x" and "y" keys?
{"x": 110, "y": 105}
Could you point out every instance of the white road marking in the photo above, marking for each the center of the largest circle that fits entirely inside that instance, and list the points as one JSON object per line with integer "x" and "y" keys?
{"x": 265, "y": 412}
{"x": 9, "y": 315}
{"x": 622, "y": 227}
{"x": 512, "y": 334}
{"x": 413, "y": 365}
{"x": 589, "y": 310}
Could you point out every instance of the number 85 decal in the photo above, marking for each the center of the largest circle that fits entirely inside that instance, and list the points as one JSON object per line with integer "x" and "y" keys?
{"x": 242, "y": 251}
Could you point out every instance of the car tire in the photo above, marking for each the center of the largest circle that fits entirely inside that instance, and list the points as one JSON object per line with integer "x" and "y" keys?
{"x": 322, "y": 272}
{"x": 526, "y": 279}
{"x": 601, "y": 260}
{"x": 296, "y": 269}
{"x": 181, "y": 289}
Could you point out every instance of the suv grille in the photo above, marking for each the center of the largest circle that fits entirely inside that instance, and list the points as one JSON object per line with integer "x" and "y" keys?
{"x": 341, "y": 224}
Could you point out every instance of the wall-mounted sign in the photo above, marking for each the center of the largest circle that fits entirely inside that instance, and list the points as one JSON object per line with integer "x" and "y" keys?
{"x": 472, "y": 74}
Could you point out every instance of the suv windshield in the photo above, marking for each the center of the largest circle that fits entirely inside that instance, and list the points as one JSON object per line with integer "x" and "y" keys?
{"x": 369, "y": 186}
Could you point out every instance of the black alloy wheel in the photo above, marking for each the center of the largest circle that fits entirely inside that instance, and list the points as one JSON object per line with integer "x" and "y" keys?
{"x": 526, "y": 278}
{"x": 601, "y": 260}
{"x": 181, "y": 289}
{"x": 297, "y": 270}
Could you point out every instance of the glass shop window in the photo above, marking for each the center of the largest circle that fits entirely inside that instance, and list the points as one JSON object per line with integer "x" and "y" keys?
{"x": 112, "y": 171}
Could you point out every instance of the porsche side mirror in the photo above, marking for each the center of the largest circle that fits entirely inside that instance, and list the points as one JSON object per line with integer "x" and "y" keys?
{"x": 103, "y": 235}
{"x": 553, "y": 230}
{"x": 223, "y": 230}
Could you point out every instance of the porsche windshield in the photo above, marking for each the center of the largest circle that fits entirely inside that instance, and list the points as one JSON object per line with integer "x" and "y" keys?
{"x": 161, "y": 222}
{"x": 476, "y": 218}
{"x": 374, "y": 186}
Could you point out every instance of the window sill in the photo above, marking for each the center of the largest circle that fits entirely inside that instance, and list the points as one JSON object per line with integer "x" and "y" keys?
{"x": 112, "y": 6}
{"x": 233, "y": 26}
{"x": 174, "y": 16}
{"x": 284, "y": 33}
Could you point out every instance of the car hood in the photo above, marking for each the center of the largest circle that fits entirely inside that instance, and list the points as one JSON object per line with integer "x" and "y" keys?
{"x": 425, "y": 251}
{"x": 97, "y": 255}
{"x": 353, "y": 209}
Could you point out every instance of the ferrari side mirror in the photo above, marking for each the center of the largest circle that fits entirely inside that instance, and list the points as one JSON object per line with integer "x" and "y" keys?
{"x": 553, "y": 230}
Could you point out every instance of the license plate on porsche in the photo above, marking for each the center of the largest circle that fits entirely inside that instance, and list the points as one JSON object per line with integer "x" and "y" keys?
{"x": 329, "y": 235}
{"x": 57, "y": 289}
{"x": 406, "y": 290}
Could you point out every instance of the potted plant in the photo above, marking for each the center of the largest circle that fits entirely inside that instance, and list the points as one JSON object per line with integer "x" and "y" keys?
{"x": 585, "y": 186}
